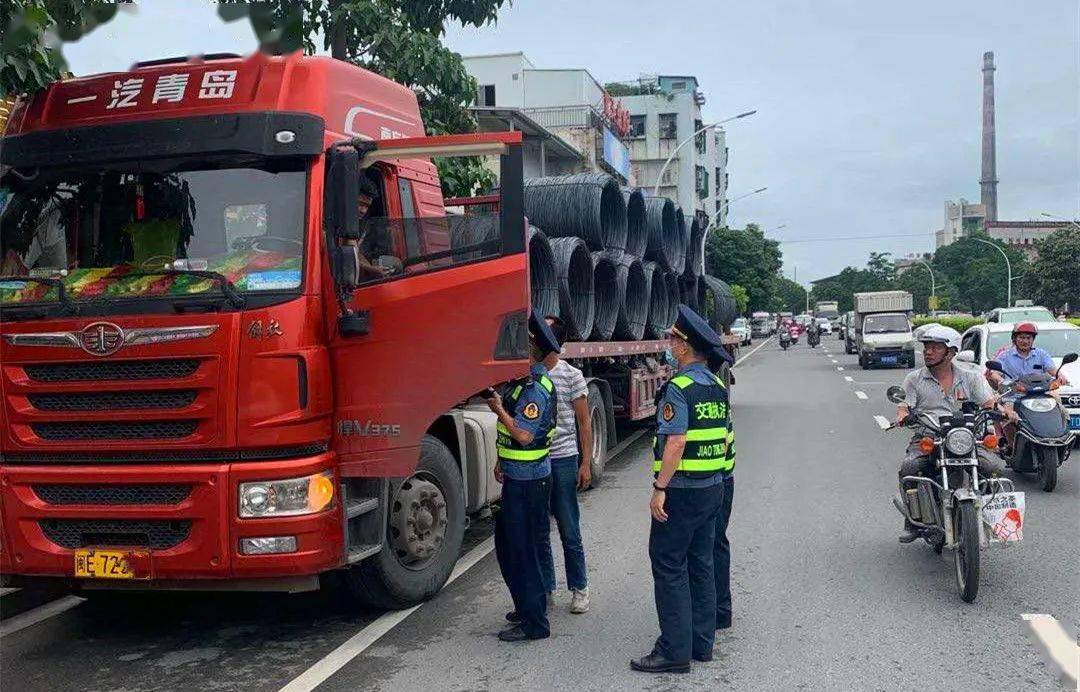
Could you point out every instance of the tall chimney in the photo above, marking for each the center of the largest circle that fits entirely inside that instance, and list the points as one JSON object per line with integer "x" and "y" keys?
{"x": 988, "y": 183}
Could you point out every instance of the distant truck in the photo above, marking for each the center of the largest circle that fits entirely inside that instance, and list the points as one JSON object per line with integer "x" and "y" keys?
{"x": 882, "y": 329}
{"x": 827, "y": 308}
{"x": 762, "y": 324}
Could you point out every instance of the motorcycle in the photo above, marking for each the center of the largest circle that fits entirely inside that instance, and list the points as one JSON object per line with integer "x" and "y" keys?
{"x": 954, "y": 511}
{"x": 785, "y": 339}
{"x": 813, "y": 338}
{"x": 1043, "y": 439}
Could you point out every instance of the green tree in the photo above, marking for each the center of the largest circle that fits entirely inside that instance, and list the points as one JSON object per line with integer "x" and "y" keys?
{"x": 916, "y": 281}
{"x": 1055, "y": 274}
{"x": 747, "y": 258}
{"x": 399, "y": 39}
{"x": 788, "y": 296}
{"x": 843, "y": 286}
{"x": 881, "y": 265}
{"x": 978, "y": 271}
{"x": 742, "y": 298}
{"x": 31, "y": 32}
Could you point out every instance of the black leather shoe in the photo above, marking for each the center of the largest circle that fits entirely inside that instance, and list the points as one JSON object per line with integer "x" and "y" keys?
{"x": 723, "y": 624}
{"x": 704, "y": 658}
{"x": 516, "y": 634}
{"x": 512, "y": 616}
{"x": 909, "y": 535}
{"x": 654, "y": 663}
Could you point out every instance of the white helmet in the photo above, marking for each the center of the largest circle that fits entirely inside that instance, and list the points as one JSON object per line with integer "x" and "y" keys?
{"x": 940, "y": 334}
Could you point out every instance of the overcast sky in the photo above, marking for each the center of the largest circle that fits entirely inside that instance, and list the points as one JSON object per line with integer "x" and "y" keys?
{"x": 868, "y": 112}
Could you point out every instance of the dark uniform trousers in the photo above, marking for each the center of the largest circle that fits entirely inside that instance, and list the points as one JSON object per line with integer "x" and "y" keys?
{"x": 722, "y": 555}
{"x": 681, "y": 552}
{"x": 523, "y": 515}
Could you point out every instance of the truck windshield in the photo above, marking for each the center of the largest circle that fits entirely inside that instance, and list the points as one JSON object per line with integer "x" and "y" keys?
{"x": 111, "y": 233}
{"x": 885, "y": 324}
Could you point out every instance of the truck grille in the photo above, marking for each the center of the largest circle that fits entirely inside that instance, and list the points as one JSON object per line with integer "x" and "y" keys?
{"x": 168, "y": 369}
{"x": 111, "y": 401}
{"x": 81, "y": 533}
{"x": 166, "y": 494}
{"x": 97, "y": 430}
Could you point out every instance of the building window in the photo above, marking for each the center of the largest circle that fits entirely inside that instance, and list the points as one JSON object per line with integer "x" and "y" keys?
{"x": 699, "y": 140}
{"x": 637, "y": 126}
{"x": 669, "y": 126}
{"x": 485, "y": 95}
{"x": 678, "y": 86}
{"x": 720, "y": 176}
{"x": 701, "y": 181}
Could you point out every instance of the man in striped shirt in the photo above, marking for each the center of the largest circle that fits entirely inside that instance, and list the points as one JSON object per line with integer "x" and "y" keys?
{"x": 571, "y": 470}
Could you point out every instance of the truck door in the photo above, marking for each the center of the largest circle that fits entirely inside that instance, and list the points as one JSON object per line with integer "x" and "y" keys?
{"x": 448, "y": 317}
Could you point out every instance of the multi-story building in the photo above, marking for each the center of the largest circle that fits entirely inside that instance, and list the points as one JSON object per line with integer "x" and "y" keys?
{"x": 902, "y": 264}
{"x": 664, "y": 112}
{"x": 1021, "y": 235}
{"x": 961, "y": 218}
{"x": 569, "y": 121}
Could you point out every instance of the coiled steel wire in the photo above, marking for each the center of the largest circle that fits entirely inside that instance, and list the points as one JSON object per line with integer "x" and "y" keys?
{"x": 543, "y": 279}
{"x": 606, "y": 295}
{"x": 656, "y": 287}
{"x": 584, "y": 205}
{"x": 637, "y": 230}
{"x": 577, "y": 302}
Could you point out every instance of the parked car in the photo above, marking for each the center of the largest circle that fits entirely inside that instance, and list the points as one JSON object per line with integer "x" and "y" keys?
{"x": 741, "y": 328}
{"x": 983, "y": 342}
{"x": 1031, "y": 313}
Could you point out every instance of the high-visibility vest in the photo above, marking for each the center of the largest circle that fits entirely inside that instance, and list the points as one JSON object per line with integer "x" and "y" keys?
{"x": 710, "y": 441}
{"x": 509, "y": 449}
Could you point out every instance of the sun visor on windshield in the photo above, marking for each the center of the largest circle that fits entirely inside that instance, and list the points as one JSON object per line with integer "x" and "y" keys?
{"x": 264, "y": 134}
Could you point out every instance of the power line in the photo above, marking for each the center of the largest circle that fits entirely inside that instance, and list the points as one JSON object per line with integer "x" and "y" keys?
{"x": 855, "y": 237}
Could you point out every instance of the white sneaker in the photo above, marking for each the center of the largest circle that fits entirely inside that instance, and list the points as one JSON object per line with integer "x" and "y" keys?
{"x": 579, "y": 602}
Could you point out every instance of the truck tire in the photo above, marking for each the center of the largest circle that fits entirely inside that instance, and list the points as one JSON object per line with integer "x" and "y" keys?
{"x": 428, "y": 507}
{"x": 598, "y": 416}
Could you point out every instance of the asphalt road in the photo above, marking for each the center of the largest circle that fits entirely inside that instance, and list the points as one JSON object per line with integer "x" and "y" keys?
{"x": 824, "y": 596}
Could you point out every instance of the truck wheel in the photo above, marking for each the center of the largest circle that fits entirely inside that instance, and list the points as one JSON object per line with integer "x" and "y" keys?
{"x": 598, "y": 416}
{"x": 425, "y": 528}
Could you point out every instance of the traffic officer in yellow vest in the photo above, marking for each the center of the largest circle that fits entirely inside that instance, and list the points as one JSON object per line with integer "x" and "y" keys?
{"x": 526, "y": 425}
{"x": 690, "y": 459}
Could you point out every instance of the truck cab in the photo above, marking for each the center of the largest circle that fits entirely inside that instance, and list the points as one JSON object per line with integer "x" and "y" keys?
{"x": 213, "y": 372}
{"x": 882, "y": 329}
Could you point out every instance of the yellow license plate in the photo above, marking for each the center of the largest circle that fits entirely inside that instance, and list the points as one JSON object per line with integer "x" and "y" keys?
{"x": 104, "y": 564}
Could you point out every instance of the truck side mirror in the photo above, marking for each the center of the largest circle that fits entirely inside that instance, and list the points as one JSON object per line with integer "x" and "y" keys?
{"x": 346, "y": 267}
{"x": 342, "y": 189}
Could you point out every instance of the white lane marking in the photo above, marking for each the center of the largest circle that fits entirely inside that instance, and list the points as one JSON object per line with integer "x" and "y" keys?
{"x": 753, "y": 352}
{"x": 847, "y": 378}
{"x": 1062, "y": 652}
{"x": 359, "y": 642}
{"x": 36, "y": 615}
{"x": 833, "y": 360}
{"x": 882, "y": 422}
{"x": 861, "y": 395}
{"x": 6, "y": 590}
{"x": 839, "y": 368}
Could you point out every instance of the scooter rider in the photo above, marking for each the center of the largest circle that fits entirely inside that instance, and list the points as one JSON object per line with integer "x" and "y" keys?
{"x": 1020, "y": 360}
{"x": 939, "y": 389}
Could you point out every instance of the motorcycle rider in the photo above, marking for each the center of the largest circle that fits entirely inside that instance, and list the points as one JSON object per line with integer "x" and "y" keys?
{"x": 813, "y": 334}
{"x": 1020, "y": 361}
{"x": 939, "y": 389}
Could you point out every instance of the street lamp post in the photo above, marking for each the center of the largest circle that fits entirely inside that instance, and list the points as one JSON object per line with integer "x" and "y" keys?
{"x": 1008, "y": 267}
{"x": 680, "y": 145}
{"x": 727, "y": 203}
{"x": 1060, "y": 218}
{"x": 933, "y": 284}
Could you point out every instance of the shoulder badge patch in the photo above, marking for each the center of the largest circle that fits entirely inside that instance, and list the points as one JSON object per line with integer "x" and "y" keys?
{"x": 532, "y": 411}
{"x": 669, "y": 412}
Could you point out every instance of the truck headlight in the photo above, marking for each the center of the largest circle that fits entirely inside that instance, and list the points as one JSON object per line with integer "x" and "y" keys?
{"x": 960, "y": 441}
{"x": 289, "y": 497}
{"x": 1039, "y": 405}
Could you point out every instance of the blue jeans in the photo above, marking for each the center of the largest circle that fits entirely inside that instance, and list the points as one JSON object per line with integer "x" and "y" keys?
{"x": 522, "y": 512}
{"x": 564, "y": 507}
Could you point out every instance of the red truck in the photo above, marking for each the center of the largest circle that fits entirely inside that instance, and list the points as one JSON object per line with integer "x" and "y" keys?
{"x": 204, "y": 385}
